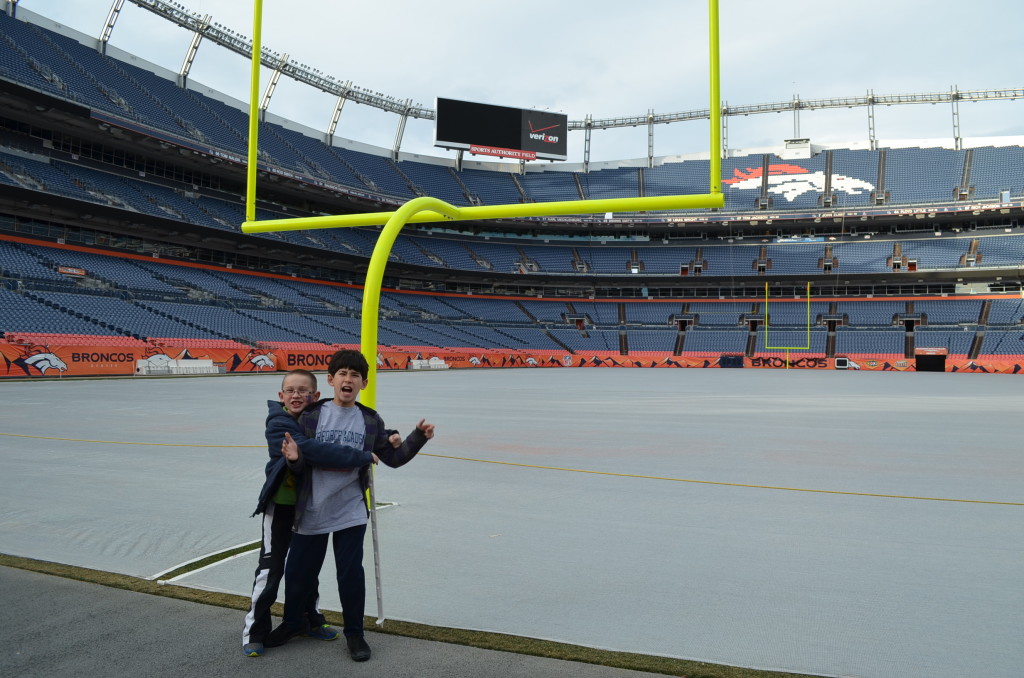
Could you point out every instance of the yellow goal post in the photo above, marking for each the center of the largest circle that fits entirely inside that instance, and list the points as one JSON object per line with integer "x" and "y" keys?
{"x": 767, "y": 326}
{"x": 427, "y": 209}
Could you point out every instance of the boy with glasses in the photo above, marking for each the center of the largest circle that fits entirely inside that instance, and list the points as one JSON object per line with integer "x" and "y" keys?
{"x": 331, "y": 500}
{"x": 277, "y": 504}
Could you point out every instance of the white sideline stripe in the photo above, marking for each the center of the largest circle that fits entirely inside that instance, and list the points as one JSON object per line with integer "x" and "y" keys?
{"x": 204, "y": 567}
{"x": 254, "y": 544}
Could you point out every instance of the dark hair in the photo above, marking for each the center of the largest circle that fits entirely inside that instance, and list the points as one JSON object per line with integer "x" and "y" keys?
{"x": 349, "y": 360}
{"x": 305, "y": 373}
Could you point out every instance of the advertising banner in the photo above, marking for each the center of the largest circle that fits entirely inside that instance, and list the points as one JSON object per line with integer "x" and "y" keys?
{"x": 50, "y": 360}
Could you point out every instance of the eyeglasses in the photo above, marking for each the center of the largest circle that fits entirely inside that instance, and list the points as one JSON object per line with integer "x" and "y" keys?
{"x": 296, "y": 391}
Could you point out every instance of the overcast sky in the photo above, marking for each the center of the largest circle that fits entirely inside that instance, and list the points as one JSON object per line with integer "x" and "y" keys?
{"x": 610, "y": 59}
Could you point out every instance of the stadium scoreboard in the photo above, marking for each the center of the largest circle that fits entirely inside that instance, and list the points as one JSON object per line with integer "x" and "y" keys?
{"x": 502, "y": 131}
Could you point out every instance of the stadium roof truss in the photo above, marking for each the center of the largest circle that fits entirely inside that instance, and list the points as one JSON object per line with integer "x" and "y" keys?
{"x": 204, "y": 28}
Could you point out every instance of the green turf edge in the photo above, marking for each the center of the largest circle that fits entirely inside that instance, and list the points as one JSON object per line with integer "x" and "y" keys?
{"x": 479, "y": 639}
{"x": 209, "y": 560}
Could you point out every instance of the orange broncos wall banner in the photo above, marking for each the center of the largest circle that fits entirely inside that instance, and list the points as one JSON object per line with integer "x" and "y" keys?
{"x": 50, "y": 360}
{"x": 39, "y": 360}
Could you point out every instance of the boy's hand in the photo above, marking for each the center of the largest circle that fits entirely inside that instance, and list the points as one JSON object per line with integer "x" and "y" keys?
{"x": 290, "y": 448}
{"x": 428, "y": 429}
{"x": 395, "y": 440}
{"x": 376, "y": 459}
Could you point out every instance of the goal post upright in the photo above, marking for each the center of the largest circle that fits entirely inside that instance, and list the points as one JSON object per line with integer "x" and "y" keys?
{"x": 714, "y": 104}
{"x": 370, "y": 324}
{"x": 252, "y": 161}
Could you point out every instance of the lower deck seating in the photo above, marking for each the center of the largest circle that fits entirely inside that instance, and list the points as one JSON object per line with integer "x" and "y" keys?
{"x": 117, "y": 300}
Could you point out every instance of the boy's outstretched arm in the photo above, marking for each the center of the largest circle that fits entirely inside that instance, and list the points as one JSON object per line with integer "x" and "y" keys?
{"x": 314, "y": 452}
{"x": 427, "y": 428}
{"x": 403, "y": 454}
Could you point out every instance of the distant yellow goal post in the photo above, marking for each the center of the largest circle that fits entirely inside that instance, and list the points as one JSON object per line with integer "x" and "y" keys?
{"x": 767, "y": 326}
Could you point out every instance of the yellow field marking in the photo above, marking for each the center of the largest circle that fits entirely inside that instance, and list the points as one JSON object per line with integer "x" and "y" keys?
{"x": 570, "y": 470}
{"x": 714, "y": 482}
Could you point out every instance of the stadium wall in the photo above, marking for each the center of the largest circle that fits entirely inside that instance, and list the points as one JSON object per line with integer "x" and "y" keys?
{"x": 56, "y": 360}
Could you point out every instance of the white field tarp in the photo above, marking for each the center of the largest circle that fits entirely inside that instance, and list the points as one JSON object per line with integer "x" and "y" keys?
{"x": 688, "y": 535}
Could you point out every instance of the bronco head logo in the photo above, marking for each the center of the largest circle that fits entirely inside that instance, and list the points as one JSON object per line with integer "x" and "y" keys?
{"x": 263, "y": 361}
{"x": 256, "y": 360}
{"x": 161, "y": 356}
{"x": 792, "y": 181}
{"x": 260, "y": 359}
{"x": 156, "y": 360}
{"x": 37, "y": 359}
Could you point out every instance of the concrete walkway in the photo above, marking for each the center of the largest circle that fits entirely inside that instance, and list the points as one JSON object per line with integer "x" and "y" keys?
{"x": 57, "y": 627}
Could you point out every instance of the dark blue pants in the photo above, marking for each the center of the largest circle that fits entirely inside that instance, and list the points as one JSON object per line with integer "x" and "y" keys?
{"x": 302, "y": 571}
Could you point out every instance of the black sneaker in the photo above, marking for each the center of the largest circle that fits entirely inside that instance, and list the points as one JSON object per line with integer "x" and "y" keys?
{"x": 357, "y": 648}
{"x": 281, "y": 635}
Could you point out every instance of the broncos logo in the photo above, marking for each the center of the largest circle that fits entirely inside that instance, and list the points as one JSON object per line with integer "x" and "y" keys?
{"x": 262, "y": 361}
{"x": 157, "y": 360}
{"x": 37, "y": 357}
{"x": 256, "y": 360}
{"x": 158, "y": 356}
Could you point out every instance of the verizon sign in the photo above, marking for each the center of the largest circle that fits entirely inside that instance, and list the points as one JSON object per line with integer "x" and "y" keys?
{"x": 519, "y": 133}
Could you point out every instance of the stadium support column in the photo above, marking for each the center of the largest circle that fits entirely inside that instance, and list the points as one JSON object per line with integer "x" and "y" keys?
{"x": 337, "y": 111}
{"x": 954, "y": 100}
{"x": 402, "y": 119}
{"x": 108, "y": 27}
{"x": 796, "y": 116}
{"x": 271, "y": 86}
{"x": 725, "y": 129}
{"x": 872, "y": 139}
{"x": 193, "y": 48}
{"x": 650, "y": 138}
{"x": 588, "y": 125}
